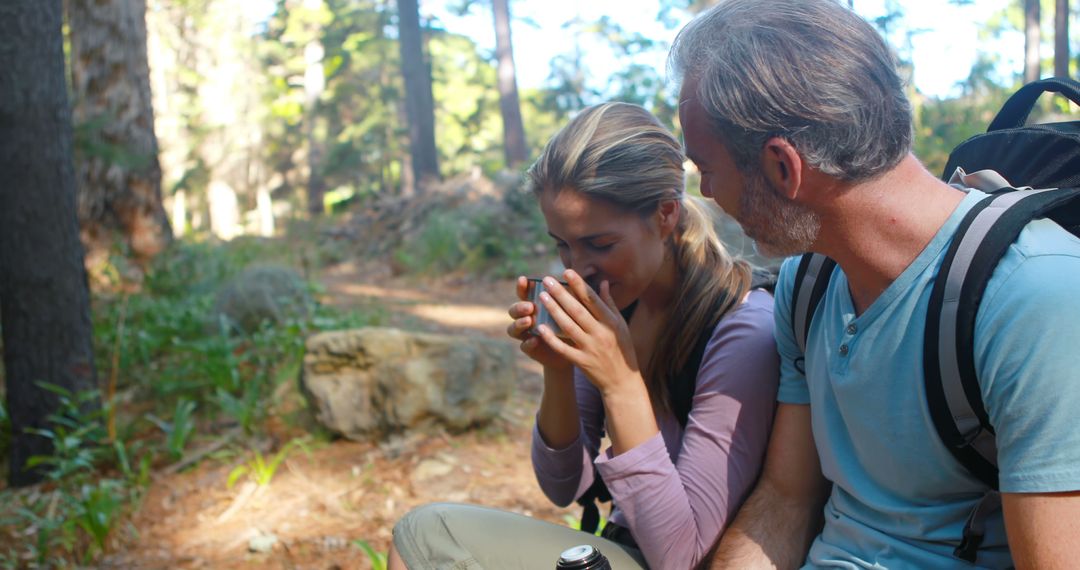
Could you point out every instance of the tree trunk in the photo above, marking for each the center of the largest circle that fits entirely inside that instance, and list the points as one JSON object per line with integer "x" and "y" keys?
{"x": 1031, "y": 41}
{"x": 408, "y": 171}
{"x": 314, "y": 85}
{"x": 419, "y": 102}
{"x": 1061, "y": 39}
{"x": 44, "y": 303}
{"x": 509, "y": 105}
{"x": 117, "y": 170}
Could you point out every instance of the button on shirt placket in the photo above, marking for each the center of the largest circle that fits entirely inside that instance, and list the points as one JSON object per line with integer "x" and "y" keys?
{"x": 850, "y": 331}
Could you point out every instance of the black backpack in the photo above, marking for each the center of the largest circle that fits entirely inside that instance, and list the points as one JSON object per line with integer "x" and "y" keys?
{"x": 1036, "y": 156}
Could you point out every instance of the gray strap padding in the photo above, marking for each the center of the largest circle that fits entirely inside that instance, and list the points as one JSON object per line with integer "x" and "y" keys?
{"x": 985, "y": 180}
{"x": 967, "y": 423}
{"x": 801, "y": 310}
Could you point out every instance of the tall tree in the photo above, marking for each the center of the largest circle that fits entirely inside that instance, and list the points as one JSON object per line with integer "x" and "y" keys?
{"x": 419, "y": 101}
{"x": 118, "y": 174}
{"x": 314, "y": 85}
{"x": 1032, "y": 18}
{"x": 509, "y": 104}
{"x": 1061, "y": 38}
{"x": 44, "y": 302}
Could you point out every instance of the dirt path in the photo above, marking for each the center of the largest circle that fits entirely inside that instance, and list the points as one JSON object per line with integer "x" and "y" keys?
{"x": 319, "y": 502}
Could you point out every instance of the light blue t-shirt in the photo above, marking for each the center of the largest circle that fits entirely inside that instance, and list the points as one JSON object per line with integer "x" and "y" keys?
{"x": 899, "y": 498}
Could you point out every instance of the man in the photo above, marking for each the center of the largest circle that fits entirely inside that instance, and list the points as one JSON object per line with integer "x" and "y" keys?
{"x": 795, "y": 116}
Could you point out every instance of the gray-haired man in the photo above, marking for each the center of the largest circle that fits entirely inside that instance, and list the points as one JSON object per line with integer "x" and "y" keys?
{"x": 795, "y": 115}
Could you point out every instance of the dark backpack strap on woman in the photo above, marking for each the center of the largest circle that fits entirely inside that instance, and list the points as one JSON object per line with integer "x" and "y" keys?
{"x": 681, "y": 395}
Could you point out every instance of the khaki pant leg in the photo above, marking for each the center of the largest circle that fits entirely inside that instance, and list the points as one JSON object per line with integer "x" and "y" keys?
{"x": 446, "y": 536}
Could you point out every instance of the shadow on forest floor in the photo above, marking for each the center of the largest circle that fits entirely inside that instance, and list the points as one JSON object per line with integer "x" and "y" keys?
{"x": 325, "y": 498}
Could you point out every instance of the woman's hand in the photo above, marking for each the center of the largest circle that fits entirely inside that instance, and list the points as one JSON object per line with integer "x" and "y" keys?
{"x": 601, "y": 344}
{"x": 533, "y": 346}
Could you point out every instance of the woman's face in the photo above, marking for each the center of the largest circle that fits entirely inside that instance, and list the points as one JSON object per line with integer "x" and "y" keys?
{"x": 601, "y": 242}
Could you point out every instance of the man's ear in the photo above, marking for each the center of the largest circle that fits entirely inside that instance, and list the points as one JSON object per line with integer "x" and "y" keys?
{"x": 782, "y": 166}
{"x": 668, "y": 216}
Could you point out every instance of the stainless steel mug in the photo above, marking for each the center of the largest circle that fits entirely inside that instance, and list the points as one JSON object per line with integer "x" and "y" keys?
{"x": 541, "y": 317}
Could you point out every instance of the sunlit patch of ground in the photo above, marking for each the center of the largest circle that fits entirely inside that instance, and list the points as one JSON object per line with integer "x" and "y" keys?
{"x": 319, "y": 502}
{"x": 323, "y": 499}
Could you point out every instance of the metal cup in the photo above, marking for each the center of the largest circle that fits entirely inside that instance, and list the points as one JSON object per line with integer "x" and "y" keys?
{"x": 541, "y": 316}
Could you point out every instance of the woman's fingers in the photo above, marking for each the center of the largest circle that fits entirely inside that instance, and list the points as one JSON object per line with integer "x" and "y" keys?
{"x": 519, "y": 328}
{"x": 570, "y": 307}
{"x": 521, "y": 312}
{"x": 565, "y": 311}
{"x": 522, "y": 287}
{"x": 521, "y": 309}
{"x": 586, "y": 295}
{"x": 557, "y": 345}
{"x": 605, "y": 295}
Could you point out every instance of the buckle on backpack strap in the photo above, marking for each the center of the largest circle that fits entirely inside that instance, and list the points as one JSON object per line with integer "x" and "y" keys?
{"x": 975, "y": 526}
{"x": 968, "y": 550}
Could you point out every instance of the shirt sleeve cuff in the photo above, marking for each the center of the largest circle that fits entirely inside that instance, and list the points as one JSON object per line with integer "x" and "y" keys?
{"x": 793, "y": 394}
{"x": 556, "y": 464}
{"x": 647, "y": 458}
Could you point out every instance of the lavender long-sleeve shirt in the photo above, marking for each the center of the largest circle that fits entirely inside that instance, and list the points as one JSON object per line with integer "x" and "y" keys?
{"x": 677, "y": 491}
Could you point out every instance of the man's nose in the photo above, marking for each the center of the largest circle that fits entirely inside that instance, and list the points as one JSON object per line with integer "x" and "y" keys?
{"x": 704, "y": 187}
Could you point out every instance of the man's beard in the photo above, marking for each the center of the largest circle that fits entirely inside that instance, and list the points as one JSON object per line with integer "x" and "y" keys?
{"x": 778, "y": 226}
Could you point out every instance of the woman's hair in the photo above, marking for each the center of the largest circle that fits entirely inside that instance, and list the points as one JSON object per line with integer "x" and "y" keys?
{"x": 810, "y": 71}
{"x": 620, "y": 154}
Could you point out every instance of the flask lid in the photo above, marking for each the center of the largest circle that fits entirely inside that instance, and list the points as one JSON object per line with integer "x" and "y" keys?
{"x": 577, "y": 554}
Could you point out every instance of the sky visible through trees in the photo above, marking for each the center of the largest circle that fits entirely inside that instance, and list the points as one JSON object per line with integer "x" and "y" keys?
{"x": 945, "y": 44}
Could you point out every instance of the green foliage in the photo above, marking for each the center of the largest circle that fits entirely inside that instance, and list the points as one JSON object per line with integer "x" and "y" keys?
{"x": 72, "y": 523}
{"x": 77, "y": 433}
{"x": 468, "y": 122}
{"x": 575, "y": 523}
{"x": 440, "y": 246}
{"x": 497, "y": 239}
{"x": 261, "y": 470}
{"x": 172, "y": 355}
{"x": 97, "y": 508}
{"x": 179, "y": 431}
{"x": 377, "y": 559}
{"x": 356, "y": 119}
{"x": 941, "y": 124}
{"x": 175, "y": 351}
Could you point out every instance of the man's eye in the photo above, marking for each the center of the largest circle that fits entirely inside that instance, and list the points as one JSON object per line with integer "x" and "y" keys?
{"x": 601, "y": 247}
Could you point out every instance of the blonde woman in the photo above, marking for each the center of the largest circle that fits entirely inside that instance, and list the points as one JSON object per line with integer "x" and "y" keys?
{"x": 647, "y": 282}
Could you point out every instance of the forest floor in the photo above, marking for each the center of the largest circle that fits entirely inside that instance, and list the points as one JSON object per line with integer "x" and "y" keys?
{"x": 324, "y": 499}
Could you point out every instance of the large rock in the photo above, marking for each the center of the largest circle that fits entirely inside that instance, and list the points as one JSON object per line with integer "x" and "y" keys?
{"x": 370, "y": 382}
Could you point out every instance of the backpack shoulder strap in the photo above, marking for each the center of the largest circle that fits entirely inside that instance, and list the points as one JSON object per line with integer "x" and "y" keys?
{"x": 952, "y": 388}
{"x": 681, "y": 389}
{"x": 590, "y": 514}
{"x": 811, "y": 280}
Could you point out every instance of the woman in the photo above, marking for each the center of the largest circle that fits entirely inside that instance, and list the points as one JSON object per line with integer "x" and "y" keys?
{"x": 646, "y": 279}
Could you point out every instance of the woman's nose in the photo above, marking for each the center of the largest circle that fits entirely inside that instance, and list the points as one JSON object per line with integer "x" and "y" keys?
{"x": 581, "y": 263}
